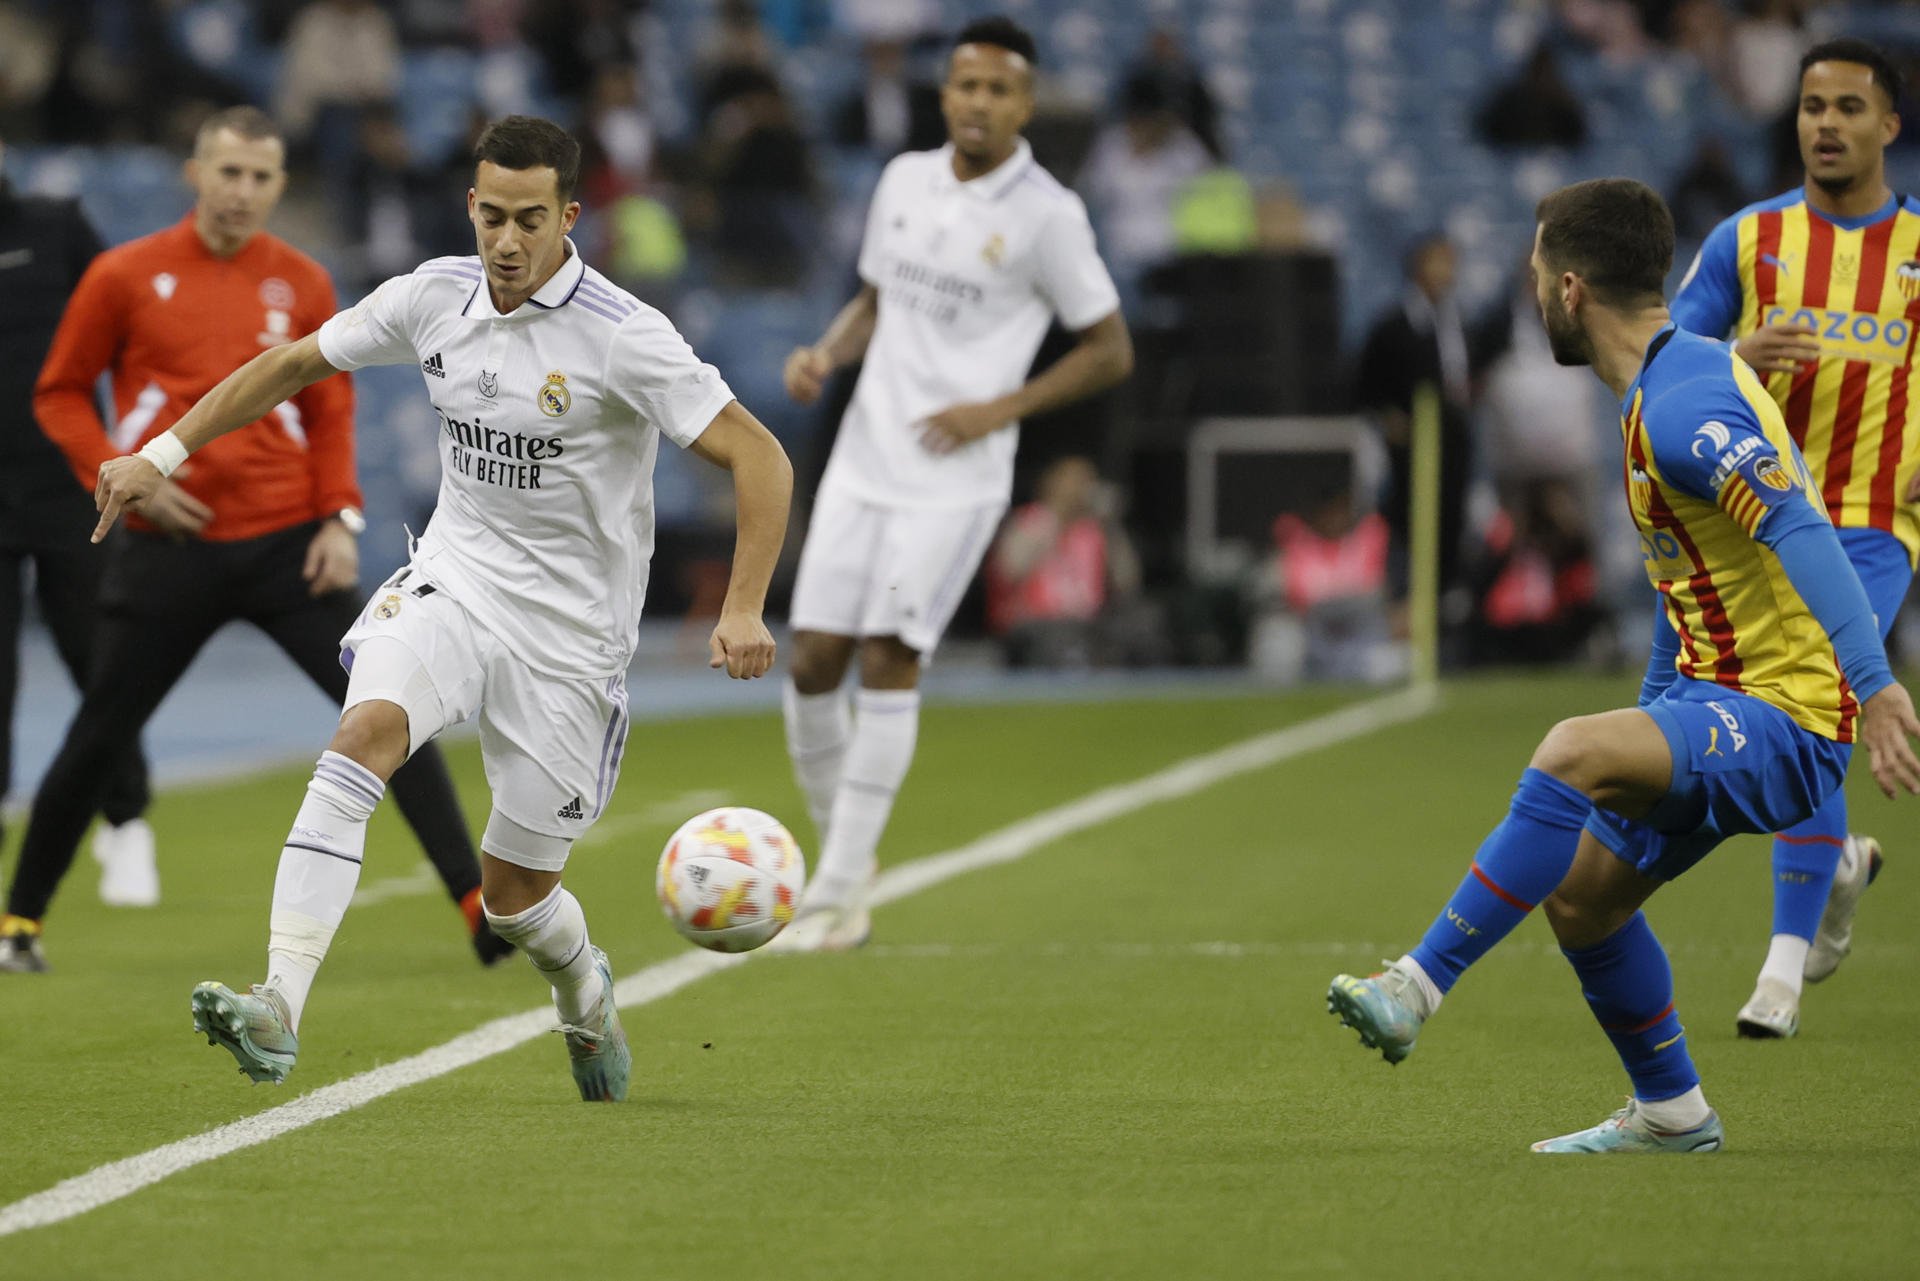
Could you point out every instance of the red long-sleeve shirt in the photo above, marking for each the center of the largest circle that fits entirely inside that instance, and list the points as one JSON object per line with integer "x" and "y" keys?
{"x": 169, "y": 320}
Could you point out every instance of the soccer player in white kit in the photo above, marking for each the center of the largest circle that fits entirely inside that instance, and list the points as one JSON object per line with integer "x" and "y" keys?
{"x": 552, "y": 387}
{"x": 969, "y": 251}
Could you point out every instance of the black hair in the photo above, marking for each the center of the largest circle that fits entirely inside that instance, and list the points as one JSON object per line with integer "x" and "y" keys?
{"x": 528, "y": 142}
{"x": 1003, "y": 32}
{"x": 1614, "y": 233}
{"x": 1848, "y": 49}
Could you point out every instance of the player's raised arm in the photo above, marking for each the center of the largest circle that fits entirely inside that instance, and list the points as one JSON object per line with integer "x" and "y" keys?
{"x": 762, "y": 488}
{"x": 243, "y": 396}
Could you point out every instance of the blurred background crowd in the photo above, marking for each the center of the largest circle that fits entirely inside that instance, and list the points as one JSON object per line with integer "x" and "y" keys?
{"x": 1310, "y": 206}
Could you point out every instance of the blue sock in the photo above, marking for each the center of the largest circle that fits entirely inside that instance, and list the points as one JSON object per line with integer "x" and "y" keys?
{"x": 1629, "y": 987}
{"x": 1521, "y": 862}
{"x": 1804, "y": 859}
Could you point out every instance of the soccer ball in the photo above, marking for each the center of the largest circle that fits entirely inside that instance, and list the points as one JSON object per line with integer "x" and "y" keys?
{"x": 729, "y": 878}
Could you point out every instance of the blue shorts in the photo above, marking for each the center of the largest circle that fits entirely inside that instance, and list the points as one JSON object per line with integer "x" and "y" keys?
{"x": 1739, "y": 765}
{"x": 1884, "y": 568}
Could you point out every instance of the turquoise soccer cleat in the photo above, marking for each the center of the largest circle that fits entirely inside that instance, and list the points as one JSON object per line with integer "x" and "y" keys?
{"x": 255, "y": 1028}
{"x": 1380, "y": 1009}
{"x": 600, "y": 1059}
{"x": 1626, "y": 1131}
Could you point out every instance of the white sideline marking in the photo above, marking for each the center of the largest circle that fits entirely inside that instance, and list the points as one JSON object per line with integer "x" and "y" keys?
{"x": 105, "y": 1184}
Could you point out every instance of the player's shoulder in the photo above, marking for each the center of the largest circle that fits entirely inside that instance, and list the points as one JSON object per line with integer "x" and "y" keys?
{"x": 450, "y": 272}
{"x": 601, "y": 299}
{"x": 142, "y": 253}
{"x": 1693, "y": 380}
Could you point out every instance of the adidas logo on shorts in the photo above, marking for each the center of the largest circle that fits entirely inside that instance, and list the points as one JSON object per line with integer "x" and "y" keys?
{"x": 572, "y": 809}
{"x": 432, "y": 365}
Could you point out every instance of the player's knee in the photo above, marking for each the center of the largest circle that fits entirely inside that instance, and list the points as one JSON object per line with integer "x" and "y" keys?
{"x": 818, "y": 662}
{"x": 1580, "y": 921}
{"x": 887, "y": 662}
{"x": 1573, "y": 752}
{"x": 373, "y": 733}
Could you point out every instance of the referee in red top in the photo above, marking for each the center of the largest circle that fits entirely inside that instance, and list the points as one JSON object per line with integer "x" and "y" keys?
{"x": 260, "y": 526}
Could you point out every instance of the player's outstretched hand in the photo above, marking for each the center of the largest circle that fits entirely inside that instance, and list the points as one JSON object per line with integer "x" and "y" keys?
{"x": 1780, "y": 349}
{"x": 950, "y": 429}
{"x": 122, "y": 483}
{"x": 1887, "y": 723}
{"x": 806, "y": 373}
{"x": 742, "y": 644}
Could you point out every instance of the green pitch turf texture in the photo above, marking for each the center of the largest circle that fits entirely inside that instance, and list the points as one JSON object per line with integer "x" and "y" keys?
{"x": 1110, "y": 1059}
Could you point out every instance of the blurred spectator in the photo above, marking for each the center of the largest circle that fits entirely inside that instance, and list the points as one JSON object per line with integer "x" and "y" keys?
{"x": 890, "y": 111}
{"x": 1056, "y": 572}
{"x": 342, "y": 57}
{"x": 403, "y": 213}
{"x": 1766, "y": 45}
{"x": 1706, "y": 191}
{"x": 618, "y": 145}
{"x": 737, "y": 59}
{"x": 760, "y": 207}
{"x": 1328, "y": 576}
{"x": 1613, "y": 30}
{"x": 1535, "y": 109}
{"x": 578, "y": 41}
{"x": 340, "y": 53}
{"x": 1537, "y": 597}
{"x": 28, "y": 51}
{"x": 1182, "y": 87}
{"x": 1422, "y": 341}
{"x": 1541, "y": 421}
{"x": 1133, "y": 176}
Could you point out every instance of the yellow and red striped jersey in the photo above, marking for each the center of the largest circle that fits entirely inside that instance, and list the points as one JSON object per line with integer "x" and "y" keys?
{"x": 1709, "y": 463}
{"x": 1857, "y": 282}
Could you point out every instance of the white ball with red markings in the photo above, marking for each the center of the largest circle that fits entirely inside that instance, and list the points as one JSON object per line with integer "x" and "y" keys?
{"x": 729, "y": 878}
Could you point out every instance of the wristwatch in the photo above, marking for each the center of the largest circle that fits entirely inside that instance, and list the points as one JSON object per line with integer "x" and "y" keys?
{"x": 350, "y": 517}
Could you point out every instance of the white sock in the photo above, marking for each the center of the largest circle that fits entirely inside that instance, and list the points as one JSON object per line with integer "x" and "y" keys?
{"x": 818, "y": 726}
{"x": 319, "y": 867}
{"x": 886, "y": 722}
{"x": 1423, "y": 987}
{"x": 1677, "y": 1115}
{"x": 553, "y": 934}
{"x": 1786, "y": 961}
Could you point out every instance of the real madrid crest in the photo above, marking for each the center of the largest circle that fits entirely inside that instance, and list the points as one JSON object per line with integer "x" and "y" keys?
{"x": 995, "y": 249}
{"x": 554, "y": 397}
{"x": 387, "y": 608}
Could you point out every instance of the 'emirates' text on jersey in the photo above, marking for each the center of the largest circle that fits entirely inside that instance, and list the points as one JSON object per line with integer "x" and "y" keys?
{"x": 548, "y": 421}
{"x": 1708, "y": 458}
{"x": 968, "y": 274}
{"x": 1856, "y": 281}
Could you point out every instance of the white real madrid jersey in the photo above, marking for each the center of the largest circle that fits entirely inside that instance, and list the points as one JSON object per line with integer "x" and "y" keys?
{"x": 968, "y": 274}
{"x": 549, "y": 420}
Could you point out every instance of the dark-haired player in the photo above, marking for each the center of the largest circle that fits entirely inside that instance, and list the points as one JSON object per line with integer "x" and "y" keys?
{"x": 970, "y": 252}
{"x": 552, "y": 388}
{"x": 1821, "y": 287}
{"x": 1766, "y": 667}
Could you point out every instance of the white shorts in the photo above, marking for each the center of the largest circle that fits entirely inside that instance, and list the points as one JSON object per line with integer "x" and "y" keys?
{"x": 868, "y": 570}
{"x": 551, "y": 744}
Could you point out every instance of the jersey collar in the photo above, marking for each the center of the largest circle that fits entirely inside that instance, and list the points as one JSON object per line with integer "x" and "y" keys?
{"x": 1887, "y": 210}
{"x": 1654, "y": 347}
{"x": 557, "y": 292}
{"x": 996, "y": 182}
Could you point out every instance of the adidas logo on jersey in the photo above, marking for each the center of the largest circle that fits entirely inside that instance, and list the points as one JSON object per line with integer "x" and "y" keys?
{"x": 572, "y": 809}
{"x": 432, "y": 365}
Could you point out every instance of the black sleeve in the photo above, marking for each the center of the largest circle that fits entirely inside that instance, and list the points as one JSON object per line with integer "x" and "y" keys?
{"x": 83, "y": 244}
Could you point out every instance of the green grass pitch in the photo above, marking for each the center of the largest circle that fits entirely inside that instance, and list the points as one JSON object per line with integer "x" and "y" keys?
{"x": 1110, "y": 1059}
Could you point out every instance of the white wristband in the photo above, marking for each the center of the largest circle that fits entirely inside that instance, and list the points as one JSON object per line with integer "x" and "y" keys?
{"x": 165, "y": 452}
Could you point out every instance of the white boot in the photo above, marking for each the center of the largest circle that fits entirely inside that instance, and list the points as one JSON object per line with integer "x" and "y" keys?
{"x": 129, "y": 877}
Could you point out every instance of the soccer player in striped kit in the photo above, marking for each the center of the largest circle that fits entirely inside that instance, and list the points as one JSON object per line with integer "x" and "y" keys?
{"x": 1820, "y": 287}
{"x": 1765, "y": 669}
